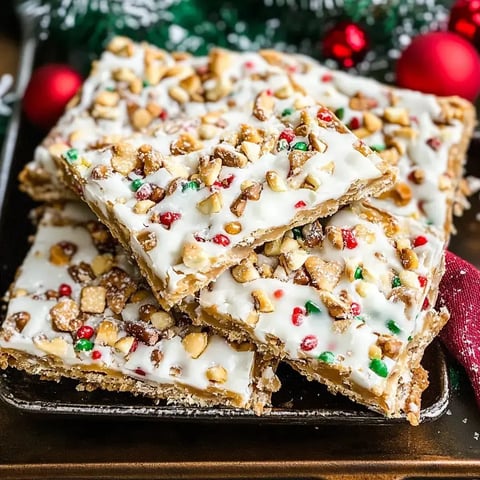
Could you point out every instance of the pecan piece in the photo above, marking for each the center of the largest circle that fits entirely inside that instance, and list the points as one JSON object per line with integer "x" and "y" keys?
{"x": 81, "y": 273}
{"x": 143, "y": 332}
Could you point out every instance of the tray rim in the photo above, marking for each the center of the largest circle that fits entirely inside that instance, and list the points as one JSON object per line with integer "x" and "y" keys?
{"x": 277, "y": 415}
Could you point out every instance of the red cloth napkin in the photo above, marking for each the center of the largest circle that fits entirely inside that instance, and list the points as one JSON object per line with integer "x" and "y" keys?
{"x": 460, "y": 293}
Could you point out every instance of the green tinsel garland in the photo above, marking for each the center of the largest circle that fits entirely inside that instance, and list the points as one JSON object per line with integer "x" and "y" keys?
{"x": 196, "y": 25}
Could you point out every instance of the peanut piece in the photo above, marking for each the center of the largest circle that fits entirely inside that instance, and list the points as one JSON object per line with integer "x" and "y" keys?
{"x": 397, "y": 115}
{"x": 161, "y": 320}
{"x": 193, "y": 256}
{"x": 244, "y": 272}
{"x": 56, "y": 346}
{"x": 263, "y": 106}
{"x": 143, "y": 206}
{"x": 275, "y": 182}
{"x": 195, "y": 344}
{"x": 211, "y": 204}
{"x": 107, "y": 333}
{"x": 217, "y": 374}
{"x": 262, "y": 302}
{"x": 209, "y": 169}
{"x": 124, "y": 344}
{"x": 147, "y": 239}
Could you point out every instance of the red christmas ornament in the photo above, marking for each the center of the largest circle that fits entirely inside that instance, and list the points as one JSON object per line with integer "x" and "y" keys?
{"x": 442, "y": 63}
{"x": 346, "y": 42}
{"x": 465, "y": 20}
{"x": 49, "y": 90}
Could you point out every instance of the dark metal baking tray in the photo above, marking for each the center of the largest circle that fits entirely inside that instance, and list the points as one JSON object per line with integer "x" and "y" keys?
{"x": 299, "y": 401}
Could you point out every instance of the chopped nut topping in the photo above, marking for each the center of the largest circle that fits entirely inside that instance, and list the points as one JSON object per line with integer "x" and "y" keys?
{"x": 397, "y": 115}
{"x": 194, "y": 256}
{"x": 161, "y": 320}
{"x": 245, "y": 272}
{"x": 261, "y": 301}
{"x": 372, "y": 122}
{"x": 195, "y": 343}
{"x": 123, "y": 158}
{"x": 209, "y": 169}
{"x": 81, "y": 273}
{"x": 275, "y": 182}
{"x": 107, "y": 333}
{"x": 217, "y": 374}
{"x": 64, "y": 315}
{"x": 211, "y": 204}
{"x": 361, "y": 102}
{"x": 238, "y": 206}
{"x": 263, "y": 106}
{"x": 56, "y": 346}
{"x": 119, "y": 287}
{"x": 62, "y": 252}
{"x": 230, "y": 157}
{"x": 156, "y": 357}
{"x": 313, "y": 234}
{"x": 143, "y": 332}
{"x": 124, "y": 344}
{"x": 233, "y": 228}
{"x": 409, "y": 259}
{"x": 185, "y": 143}
{"x": 147, "y": 239}
{"x": 149, "y": 159}
{"x": 297, "y": 159}
{"x": 20, "y": 319}
{"x": 324, "y": 275}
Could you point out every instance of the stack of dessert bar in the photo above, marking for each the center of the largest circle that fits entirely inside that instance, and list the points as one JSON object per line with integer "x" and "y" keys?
{"x": 252, "y": 208}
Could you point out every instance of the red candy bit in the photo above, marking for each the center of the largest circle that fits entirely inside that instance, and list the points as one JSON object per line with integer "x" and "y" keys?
{"x": 144, "y": 192}
{"x": 354, "y": 123}
{"x": 64, "y": 290}
{"x": 420, "y": 240}
{"x": 325, "y": 115}
{"x": 85, "y": 331}
{"x": 288, "y": 134}
{"x": 434, "y": 143}
{"x": 249, "y": 64}
{"x": 297, "y": 316}
{"x": 278, "y": 293}
{"x": 225, "y": 183}
{"x": 168, "y": 218}
{"x": 198, "y": 238}
{"x": 292, "y": 68}
{"x": 269, "y": 92}
{"x": 426, "y": 303}
{"x": 326, "y": 77}
{"x": 221, "y": 239}
{"x": 134, "y": 346}
{"x": 139, "y": 371}
{"x": 422, "y": 280}
{"x": 163, "y": 115}
{"x": 300, "y": 204}
{"x": 96, "y": 355}
{"x": 349, "y": 240}
{"x": 309, "y": 343}
{"x": 355, "y": 308}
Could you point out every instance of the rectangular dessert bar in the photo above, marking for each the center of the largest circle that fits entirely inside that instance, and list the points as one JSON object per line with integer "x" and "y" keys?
{"x": 231, "y": 169}
{"x": 348, "y": 304}
{"x": 426, "y": 136}
{"x": 79, "y": 309}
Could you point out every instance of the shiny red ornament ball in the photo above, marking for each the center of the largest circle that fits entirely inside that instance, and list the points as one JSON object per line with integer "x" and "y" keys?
{"x": 346, "y": 42}
{"x": 442, "y": 63}
{"x": 49, "y": 90}
{"x": 465, "y": 20}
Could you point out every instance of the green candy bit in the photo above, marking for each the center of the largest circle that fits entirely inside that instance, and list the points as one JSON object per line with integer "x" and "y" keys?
{"x": 300, "y": 146}
{"x": 360, "y": 318}
{"x": 393, "y": 327}
{"x": 327, "y": 357}
{"x": 429, "y": 222}
{"x": 312, "y": 307}
{"x": 282, "y": 144}
{"x": 396, "y": 282}
{"x": 297, "y": 233}
{"x": 71, "y": 155}
{"x": 378, "y": 148}
{"x": 410, "y": 338}
{"x": 358, "y": 275}
{"x": 84, "y": 345}
{"x": 110, "y": 89}
{"x": 287, "y": 111}
{"x": 146, "y": 83}
{"x": 340, "y": 113}
{"x": 136, "y": 184}
{"x": 192, "y": 185}
{"x": 379, "y": 367}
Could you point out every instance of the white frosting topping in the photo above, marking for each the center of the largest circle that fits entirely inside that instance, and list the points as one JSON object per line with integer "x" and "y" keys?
{"x": 35, "y": 294}
{"x": 266, "y": 125}
{"x": 368, "y": 285}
